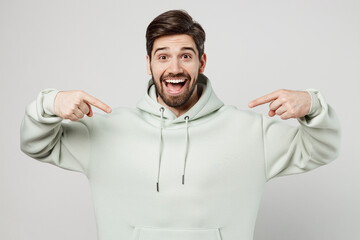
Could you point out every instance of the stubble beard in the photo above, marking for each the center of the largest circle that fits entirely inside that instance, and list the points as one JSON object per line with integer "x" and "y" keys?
{"x": 180, "y": 100}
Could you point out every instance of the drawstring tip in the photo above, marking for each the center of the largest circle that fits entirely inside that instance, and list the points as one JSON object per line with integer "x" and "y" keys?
{"x": 183, "y": 179}
{"x": 157, "y": 186}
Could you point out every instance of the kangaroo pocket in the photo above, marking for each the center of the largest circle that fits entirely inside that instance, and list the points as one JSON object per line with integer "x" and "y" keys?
{"x": 153, "y": 233}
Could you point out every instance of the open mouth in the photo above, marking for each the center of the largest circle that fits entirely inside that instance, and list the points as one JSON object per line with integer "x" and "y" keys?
{"x": 174, "y": 86}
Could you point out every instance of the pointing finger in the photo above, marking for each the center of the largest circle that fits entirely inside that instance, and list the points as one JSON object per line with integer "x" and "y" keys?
{"x": 97, "y": 103}
{"x": 264, "y": 99}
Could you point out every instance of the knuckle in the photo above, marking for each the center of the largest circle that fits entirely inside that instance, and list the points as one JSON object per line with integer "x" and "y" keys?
{"x": 283, "y": 98}
{"x": 280, "y": 91}
{"x": 80, "y": 95}
{"x": 81, "y": 92}
{"x": 74, "y": 106}
{"x": 77, "y": 102}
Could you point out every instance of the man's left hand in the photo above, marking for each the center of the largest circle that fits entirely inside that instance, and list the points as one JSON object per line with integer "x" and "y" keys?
{"x": 285, "y": 103}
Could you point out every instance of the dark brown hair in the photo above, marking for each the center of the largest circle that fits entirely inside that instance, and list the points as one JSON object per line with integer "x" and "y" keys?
{"x": 175, "y": 22}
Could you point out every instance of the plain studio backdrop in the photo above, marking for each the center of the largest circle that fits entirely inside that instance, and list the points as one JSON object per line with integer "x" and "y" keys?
{"x": 253, "y": 48}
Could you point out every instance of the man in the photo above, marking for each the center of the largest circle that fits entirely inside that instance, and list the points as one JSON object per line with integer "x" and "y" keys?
{"x": 182, "y": 165}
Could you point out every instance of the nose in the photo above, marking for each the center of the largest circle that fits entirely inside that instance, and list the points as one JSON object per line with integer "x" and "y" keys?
{"x": 175, "y": 67}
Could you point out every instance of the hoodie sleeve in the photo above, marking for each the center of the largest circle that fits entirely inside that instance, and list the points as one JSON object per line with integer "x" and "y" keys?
{"x": 313, "y": 143}
{"x": 44, "y": 137}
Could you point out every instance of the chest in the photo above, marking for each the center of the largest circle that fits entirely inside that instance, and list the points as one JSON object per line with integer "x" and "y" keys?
{"x": 209, "y": 155}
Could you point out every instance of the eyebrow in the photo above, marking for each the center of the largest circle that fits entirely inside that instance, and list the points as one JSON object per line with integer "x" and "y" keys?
{"x": 183, "y": 48}
{"x": 159, "y": 49}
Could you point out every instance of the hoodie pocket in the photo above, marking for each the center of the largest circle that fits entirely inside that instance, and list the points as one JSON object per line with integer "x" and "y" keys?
{"x": 153, "y": 233}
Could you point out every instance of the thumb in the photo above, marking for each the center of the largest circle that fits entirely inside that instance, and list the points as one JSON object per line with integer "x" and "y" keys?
{"x": 90, "y": 113}
{"x": 271, "y": 113}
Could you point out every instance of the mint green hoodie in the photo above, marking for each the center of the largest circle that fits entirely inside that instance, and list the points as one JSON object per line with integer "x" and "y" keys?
{"x": 200, "y": 176}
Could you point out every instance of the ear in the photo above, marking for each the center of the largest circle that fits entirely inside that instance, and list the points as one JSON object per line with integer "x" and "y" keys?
{"x": 202, "y": 63}
{"x": 148, "y": 64}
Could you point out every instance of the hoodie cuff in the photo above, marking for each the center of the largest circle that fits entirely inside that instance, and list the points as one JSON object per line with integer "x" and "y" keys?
{"x": 315, "y": 107}
{"x": 49, "y": 95}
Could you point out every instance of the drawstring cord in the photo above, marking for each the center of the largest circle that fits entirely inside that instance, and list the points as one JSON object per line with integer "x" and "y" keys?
{"x": 186, "y": 147}
{"x": 160, "y": 146}
{"x": 162, "y": 109}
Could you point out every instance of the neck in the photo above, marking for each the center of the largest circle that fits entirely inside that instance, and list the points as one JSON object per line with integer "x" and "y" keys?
{"x": 178, "y": 111}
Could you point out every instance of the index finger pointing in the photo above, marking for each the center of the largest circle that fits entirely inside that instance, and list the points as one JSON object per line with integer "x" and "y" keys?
{"x": 97, "y": 103}
{"x": 264, "y": 99}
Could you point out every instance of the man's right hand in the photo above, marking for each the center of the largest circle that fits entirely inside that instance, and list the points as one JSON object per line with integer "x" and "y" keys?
{"x": 75, "y": 104}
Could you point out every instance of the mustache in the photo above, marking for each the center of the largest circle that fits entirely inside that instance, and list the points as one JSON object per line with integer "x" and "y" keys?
{"x": 178, "y": 75}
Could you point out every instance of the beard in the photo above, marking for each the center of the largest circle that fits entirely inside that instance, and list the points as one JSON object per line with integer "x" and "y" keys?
{"x": 179, "y": 100}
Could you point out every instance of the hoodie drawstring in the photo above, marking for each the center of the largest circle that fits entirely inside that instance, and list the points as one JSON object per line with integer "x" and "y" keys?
{"x": 186, "y": 147}
{"x": 160, "y": 146}
{"x": 162, "y": 109}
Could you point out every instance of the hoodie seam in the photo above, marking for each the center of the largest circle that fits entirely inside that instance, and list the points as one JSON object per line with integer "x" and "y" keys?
{"x": 264, "y": 147}
{"x": 90, "y": 158}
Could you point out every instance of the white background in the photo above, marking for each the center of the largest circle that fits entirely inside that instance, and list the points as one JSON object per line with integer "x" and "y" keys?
{"x": 253, "y": 48}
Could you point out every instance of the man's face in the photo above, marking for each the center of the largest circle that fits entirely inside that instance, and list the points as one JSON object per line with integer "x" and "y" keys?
{"x": 175, "y": 67}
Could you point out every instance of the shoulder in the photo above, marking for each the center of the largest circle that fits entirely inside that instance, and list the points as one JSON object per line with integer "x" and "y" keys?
{"x": 120, "y": 118}
{"x": 116, "y": 112}
{"x": 119, "y": 114}
{"x": 233, "y": 112}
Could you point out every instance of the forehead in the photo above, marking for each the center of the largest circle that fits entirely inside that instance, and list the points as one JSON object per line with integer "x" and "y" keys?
{"x": 174, "y": 42}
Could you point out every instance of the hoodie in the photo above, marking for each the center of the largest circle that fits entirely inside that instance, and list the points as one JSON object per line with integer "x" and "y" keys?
{"x": 199, "y": 176}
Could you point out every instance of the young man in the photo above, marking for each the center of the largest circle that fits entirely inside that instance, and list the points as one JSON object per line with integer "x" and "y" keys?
{"x": 182, "y": 165}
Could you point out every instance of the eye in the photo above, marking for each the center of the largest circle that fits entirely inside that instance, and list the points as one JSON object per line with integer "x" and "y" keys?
{"x": 162, "y": 57}
{"x": 186, "y": 56}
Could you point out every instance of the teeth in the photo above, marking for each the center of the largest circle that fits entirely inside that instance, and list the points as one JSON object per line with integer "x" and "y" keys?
{"x": 174, "y": 80}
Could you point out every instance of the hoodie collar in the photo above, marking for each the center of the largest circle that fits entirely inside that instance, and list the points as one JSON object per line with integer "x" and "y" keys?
{"x": 207, "y": 103}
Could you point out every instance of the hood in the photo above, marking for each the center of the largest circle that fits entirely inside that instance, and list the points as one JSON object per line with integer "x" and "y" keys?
{"x": 207, "y": 104}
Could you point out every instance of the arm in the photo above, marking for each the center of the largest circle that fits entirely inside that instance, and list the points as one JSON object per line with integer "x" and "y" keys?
{"x": 313, "y": 143}
{"x": 43, "y": 135}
